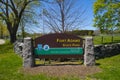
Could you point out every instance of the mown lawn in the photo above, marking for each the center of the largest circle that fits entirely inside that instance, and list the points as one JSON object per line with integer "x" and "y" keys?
{"x": 110, "y": 68}
{"x": 107, "y": 39}
{"x": 11, "y": 64}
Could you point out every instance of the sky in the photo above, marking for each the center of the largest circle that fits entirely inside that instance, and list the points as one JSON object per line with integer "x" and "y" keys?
{"x": 88, "y": 4}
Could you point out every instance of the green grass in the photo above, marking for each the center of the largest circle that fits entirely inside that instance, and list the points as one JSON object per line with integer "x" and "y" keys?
{"x": 110, "y": 68}
{"x": 6, "y": 48}
{"x": 11, "y": 64}
{"x": 107, "y": 39}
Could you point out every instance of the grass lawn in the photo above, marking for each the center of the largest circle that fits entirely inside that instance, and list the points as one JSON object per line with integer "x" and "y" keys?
{"x": 106, "y": 39}
{"x": 11, "y": 63}
{"x": 110, "y": 68}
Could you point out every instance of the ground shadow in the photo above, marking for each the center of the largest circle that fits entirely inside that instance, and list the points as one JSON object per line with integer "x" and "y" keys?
{"x": 60, "y": 63}
{"x": 56, "y": 65}
{"x": 115, "y": 41}
{"x": 97, "y": 64}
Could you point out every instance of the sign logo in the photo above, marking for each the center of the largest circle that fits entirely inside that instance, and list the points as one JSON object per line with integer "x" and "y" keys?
{"x": 46, "y": 47}
{"x": 39, "y": 46}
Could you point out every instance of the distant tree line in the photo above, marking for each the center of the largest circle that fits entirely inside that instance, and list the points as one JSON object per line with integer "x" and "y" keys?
{"x": 82, "y": 32}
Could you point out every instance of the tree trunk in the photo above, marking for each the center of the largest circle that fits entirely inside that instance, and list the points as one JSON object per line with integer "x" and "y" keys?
{"x": 23, "y": 32}
{"x": 13, "y": 37}
{"x": 12, "y": 31}
{"x": 1, "y": 33}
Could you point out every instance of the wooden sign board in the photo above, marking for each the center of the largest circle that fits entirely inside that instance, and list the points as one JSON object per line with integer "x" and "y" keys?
{"x": 58, "y": 44}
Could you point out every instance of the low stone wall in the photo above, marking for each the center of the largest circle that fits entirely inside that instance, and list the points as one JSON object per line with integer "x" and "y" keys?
{"x": 102, "y": 51}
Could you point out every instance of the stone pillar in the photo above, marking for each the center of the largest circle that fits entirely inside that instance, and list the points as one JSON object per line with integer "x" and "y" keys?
{"x": 89, "y": 57}
{"x": 28, "y": 57}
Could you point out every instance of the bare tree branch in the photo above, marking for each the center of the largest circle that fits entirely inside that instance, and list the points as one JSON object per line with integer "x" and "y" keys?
{"x": 64, "y": 15}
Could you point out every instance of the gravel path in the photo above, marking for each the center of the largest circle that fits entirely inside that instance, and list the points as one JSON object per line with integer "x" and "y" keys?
{"x": 63, "y": 70}
{"x": 2, "y": 41}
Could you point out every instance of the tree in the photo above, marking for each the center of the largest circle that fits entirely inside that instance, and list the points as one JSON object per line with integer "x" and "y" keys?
{"x": 27, "y": 22}
{"x": 107, "y": 15}
{"x": 64, "y": 15}
{"x": 11, "y": 11}
{"x": 3, "y": 30}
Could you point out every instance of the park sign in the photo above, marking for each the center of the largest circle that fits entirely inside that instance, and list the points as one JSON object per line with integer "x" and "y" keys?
{"x": 56, "y": 46}
{"x": 60, "y": 44}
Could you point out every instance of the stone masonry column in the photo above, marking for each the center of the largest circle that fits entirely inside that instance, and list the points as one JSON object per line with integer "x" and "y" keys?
{"x": 89, "y": 57}
{"x": 28, "y": 57}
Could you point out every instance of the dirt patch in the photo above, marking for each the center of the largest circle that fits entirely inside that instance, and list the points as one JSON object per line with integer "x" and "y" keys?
{"x": 63, "y": 70}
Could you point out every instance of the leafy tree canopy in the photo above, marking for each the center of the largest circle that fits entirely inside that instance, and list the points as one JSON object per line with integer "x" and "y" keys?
{"x": 12, "y": 11}
{"x": 107, "y": 15}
